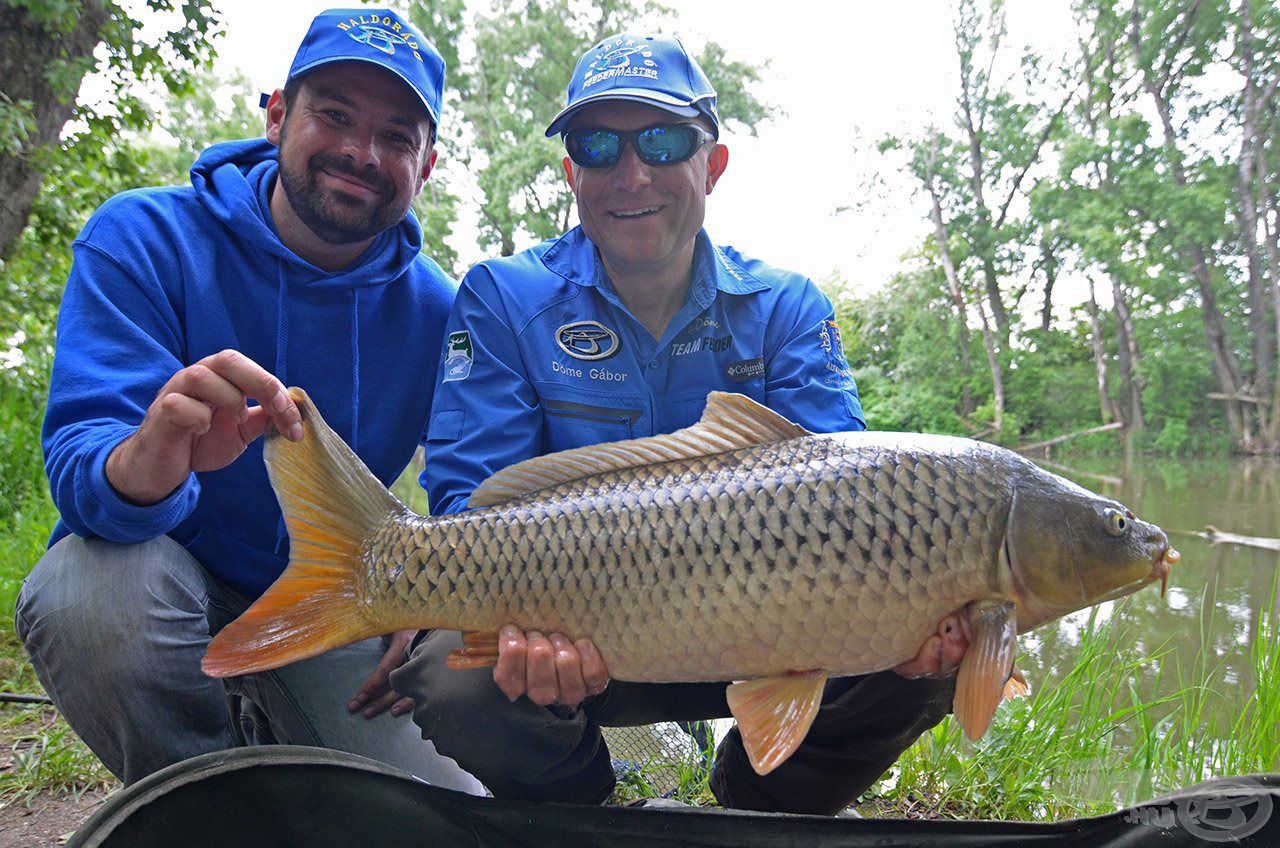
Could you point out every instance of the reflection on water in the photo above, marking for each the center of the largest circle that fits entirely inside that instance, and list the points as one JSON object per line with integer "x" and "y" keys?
{"x": 1209, "y": 616}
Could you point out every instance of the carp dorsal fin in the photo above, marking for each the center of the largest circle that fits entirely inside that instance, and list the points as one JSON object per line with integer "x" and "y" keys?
{"x": 729, "y": 422}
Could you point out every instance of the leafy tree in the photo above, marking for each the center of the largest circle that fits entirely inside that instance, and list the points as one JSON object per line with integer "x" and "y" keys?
{"x": 47, "y": 47}
{"x": 511, "y": 82}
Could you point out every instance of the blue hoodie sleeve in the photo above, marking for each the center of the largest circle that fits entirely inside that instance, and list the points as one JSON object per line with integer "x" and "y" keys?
{"x": 809, "y": 380}
{"x": 485, "y": 413}
{"x": 118, "y": 342}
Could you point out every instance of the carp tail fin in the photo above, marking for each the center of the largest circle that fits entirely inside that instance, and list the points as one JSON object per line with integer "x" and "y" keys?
{"x": 331, "y": 504}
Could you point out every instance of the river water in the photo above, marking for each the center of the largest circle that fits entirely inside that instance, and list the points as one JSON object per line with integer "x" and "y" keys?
{"x": 1217, "y": 593}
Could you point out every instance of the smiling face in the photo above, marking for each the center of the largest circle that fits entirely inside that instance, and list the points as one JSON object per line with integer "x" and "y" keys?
{"x": 643, "y": 218}
{"x": 355, "y": 149}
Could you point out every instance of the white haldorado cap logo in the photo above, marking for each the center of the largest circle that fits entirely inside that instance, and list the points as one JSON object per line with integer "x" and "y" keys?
{"x": 378, "y": 38}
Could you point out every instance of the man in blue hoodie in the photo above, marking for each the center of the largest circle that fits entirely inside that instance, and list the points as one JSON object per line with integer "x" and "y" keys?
{"x": 292, "y": 259}
{"x": 618, "y": 329}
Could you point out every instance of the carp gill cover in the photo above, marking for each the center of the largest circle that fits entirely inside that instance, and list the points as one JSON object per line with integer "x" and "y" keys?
{"x": 743, "y": 548}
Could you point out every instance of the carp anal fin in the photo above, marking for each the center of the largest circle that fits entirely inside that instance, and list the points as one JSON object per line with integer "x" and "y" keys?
{"x": 774, "y": 714}
{"x": 729, "y": 422}
{"x": 987, "y": 664}
{"x": 479, "y": 650}
{"x": 331, "y": 503}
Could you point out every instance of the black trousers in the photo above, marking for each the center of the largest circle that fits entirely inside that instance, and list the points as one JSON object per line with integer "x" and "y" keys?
{"x": 528, "y": 752}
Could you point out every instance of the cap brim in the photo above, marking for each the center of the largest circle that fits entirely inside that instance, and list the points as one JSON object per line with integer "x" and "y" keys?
{"x": 648, "y": 98}
{"x": 426, "y": 107}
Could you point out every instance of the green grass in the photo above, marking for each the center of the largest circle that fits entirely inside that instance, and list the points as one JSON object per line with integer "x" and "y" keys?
{"x": 1090, "y": 743}
{"x": 682, "y": 779}
{"x": 48, "y": 758}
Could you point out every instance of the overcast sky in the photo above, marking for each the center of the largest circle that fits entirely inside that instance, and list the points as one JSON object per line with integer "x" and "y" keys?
{"x": 845, "y": 73}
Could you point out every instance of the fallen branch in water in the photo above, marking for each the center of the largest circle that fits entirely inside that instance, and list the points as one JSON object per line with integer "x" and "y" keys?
{"x": 1068, "y": 471}
{"x": 1220, "y": 537}
{"x": 1114, "y": 425}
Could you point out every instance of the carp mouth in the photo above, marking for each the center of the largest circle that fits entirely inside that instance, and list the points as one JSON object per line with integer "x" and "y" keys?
{"x": 1160, "y": 568}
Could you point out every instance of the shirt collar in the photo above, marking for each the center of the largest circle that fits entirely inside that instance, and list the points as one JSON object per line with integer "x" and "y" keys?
{"x": 574, "y": 257}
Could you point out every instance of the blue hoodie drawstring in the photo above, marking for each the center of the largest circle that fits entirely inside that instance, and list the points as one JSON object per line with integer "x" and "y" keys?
{"x": 282, "y": 348}
{"x": 355, "y": 370}
{"x": 282, "y": 324}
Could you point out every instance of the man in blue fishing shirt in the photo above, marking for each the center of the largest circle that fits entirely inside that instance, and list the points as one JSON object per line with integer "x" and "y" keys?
{"x": 292, "y": 259}
{"x": 619, "y": 329}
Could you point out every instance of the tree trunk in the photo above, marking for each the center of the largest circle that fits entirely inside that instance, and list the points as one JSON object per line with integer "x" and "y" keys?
{"x": 1050, "y": 278}
{"x": 993, "y": 362}
{"x": 953, "y": 281}
{"x": 1099, "y": 356}
{"x": 1251, "y": 173}
{"x": 1272, "y": 239}
{"x": 985, "y": 236}
{"x": 27, "y": 51}
{"x": 1130, "y": 381}
{"x": 1226, "y": 367}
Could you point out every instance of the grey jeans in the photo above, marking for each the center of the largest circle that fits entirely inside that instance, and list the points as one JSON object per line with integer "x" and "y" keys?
{"x": 116, "y": 634}
{"x": 523, "y": 751}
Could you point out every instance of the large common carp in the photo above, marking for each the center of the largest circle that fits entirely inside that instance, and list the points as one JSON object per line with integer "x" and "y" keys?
{"x": 741, "y": 548}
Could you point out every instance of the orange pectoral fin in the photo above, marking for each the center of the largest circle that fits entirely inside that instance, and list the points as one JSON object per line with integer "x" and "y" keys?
{"x": 774, "y": 714}
{"x": 980, "y": 685}
{"x": 1016, "y": 686}
{"x": 479, "y": 650}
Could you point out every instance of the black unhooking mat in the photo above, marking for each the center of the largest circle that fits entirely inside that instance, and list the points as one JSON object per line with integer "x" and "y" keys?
{"x": 282, "y": 796}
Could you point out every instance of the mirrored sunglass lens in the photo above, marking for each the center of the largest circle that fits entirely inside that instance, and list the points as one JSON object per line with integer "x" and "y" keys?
{"x": 595, "y": 149}
{"x": 660, "y": 145}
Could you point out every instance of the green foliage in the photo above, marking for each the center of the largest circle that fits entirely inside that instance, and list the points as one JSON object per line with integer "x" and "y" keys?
{"x": 17, "y": 124}
{"x": 26, "y": 513}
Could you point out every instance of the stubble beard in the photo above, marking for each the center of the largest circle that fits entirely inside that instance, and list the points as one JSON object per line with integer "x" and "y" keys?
{"x": 334, "y": 217}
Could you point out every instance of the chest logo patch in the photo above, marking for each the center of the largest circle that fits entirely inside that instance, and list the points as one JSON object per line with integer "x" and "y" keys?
{"x": 589, "y": 340}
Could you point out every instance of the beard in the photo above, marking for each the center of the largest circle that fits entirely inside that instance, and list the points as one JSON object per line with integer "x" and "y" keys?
{"x": 336, "y": 217}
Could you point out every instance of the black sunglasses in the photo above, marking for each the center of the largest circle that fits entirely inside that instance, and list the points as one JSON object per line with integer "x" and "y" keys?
{"x": 661, "y": 144}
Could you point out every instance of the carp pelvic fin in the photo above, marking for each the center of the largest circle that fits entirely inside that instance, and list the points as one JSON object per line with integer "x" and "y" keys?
{"x": 774, "y": 714}
{"x": 729, "y": 422}
{"x": 1016, "y": 686}
{"x": 331, "y": 503}
{"x": 987, "y": 664}
{"x": 479, "y": 650}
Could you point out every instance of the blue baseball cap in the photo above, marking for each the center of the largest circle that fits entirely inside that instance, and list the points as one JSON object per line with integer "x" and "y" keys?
{"x": 652, "y": 69}
{"x": 380, "y": 37}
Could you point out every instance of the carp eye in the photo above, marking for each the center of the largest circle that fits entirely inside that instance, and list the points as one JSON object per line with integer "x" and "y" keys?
{"x": 1117, "y": 522}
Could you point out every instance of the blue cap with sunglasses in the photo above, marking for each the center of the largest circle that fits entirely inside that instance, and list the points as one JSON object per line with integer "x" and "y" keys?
{"x": 654, "y": 70}
{"x": 380, "y": 37}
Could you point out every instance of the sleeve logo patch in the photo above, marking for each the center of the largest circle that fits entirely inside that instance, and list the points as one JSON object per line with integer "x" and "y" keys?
{"x": 833, "y": 350}
{"x": 458, "y": 357}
